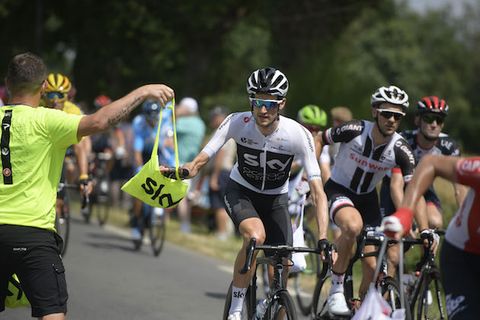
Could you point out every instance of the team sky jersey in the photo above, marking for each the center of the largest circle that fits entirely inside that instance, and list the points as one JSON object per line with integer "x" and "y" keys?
{"x": 464, "y": 229}
{"x": 33, "y": 147}
{"x": 263, "y": 162}
{"x": 359, "y": 165}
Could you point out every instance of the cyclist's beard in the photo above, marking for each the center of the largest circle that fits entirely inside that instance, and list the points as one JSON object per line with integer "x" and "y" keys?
{"x": 427, "y": 137}
{"x": 385, "y": 135}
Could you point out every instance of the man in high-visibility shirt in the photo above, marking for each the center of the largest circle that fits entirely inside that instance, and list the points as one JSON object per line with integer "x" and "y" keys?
{"x": 33, "y": 143}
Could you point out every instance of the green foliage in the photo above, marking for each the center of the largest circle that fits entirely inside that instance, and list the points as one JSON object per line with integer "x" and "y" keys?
{"x": 333, "y": 52}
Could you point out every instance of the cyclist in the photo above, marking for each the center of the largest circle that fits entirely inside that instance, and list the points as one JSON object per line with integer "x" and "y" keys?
{"x": 339, "y": 116}
{"x": 367, "y": 151}
{"x": 145, "y": 128}
{"x": 34, "y": 141}
{"x": 314, "y": 119}
{"x": 460, "y": 252}
{"x": 256, "y": 198}
{"x": 55, "y": 96}
{"x": 426, "y": 139}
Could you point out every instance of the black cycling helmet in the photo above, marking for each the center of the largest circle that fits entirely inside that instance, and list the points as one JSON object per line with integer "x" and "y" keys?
{"x": 267, "y": 80}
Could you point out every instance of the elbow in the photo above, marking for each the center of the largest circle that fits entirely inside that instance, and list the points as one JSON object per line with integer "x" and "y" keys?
{"x": 99, "y": 123}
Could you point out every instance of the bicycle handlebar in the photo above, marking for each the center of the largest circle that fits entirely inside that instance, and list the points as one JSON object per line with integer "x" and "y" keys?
{"x": 282, "y": 249}
{"x": 171, "y": 173}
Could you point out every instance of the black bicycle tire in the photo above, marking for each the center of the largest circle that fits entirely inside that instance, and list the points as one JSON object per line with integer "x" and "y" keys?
{"x": 66, "y": 227}
{"x": 88, "y": 215}
{"x": 419, "y": 303}
{"x": 102, "y": 211}
{"x": 281, "y": 298}
{"x": 315, "y": 311}
{"x": 155, "y": 240}
{"x": 388, "y": 283}
{"x": 249, "y": 308}
{"x": 311, "y": 242}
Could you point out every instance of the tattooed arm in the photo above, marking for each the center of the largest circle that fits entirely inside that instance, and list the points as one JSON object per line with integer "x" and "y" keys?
{"x": 113, "y": 113}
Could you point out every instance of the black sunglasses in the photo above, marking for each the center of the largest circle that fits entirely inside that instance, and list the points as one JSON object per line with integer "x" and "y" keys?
{"x": 429, "y": 118}
{"x": 387, "y": 114}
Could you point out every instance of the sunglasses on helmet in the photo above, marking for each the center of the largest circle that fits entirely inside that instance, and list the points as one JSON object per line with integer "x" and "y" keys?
{"x": 269, "y": 104}
{"x": 429, "y": 118}
{"x": 55, "y": 95}
{"x": 387, "y": 114}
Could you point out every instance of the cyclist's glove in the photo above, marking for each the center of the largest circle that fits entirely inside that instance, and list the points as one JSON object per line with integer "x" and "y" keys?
{"x": 324, "y": 246}
{"x": 84, "y": 180}
{"x": 431, "y": 236}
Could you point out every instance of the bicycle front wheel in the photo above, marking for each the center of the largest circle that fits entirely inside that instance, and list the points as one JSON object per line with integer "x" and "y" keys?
{"x": 62, "y": 224}
{"x": 320, "y": 296}
{"x": 102, "y": 208}
{"x": 281, "y": 307}
{"x": 430, "y": 303}
{"x": 304, "y": 281}
{"x": 157, "y": 231}
{"x": 391, "y": 293}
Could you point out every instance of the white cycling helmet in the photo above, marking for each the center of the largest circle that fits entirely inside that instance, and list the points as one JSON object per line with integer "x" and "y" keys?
{"x": 269, "y": 81}
{"x": 392, "y": 94}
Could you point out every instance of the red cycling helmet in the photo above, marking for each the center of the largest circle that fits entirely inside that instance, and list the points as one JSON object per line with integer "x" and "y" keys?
{"x": 101, "y": 100}
{"x": 432, "y": 104}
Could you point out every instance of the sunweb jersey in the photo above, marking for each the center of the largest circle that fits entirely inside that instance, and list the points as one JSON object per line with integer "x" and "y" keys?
{"x": 33, "y": 144}
{"x": 263, "y": 162}
{"x": 464, "y": 229}
{"x": 359, "y": 164}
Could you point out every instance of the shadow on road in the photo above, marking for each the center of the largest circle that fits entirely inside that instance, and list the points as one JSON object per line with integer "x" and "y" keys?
{"x": 216, "y": 295}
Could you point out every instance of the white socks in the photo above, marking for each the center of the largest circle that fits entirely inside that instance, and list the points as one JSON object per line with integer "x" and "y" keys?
{"x": 337, "y": 283}
{"x": 238, "y": 296}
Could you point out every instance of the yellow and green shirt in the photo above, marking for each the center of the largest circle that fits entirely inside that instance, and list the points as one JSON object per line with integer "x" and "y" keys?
{"x": 32, "y": 162}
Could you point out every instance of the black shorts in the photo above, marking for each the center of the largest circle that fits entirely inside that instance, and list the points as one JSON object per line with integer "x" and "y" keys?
{"x": 242, "y": 203}
{"x": 34, "y": 255}
{"x": 460, "y": 273}
{"x": 341, "y": 197}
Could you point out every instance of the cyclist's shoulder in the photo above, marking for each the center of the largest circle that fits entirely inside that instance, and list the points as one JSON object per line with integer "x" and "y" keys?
{"x": 409, "y": 134}
{"x": 71, "y": 108}
{"x": 447, "y": 144}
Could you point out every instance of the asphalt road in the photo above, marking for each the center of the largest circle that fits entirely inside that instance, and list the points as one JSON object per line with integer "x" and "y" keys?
{"x": 108, "y": 280}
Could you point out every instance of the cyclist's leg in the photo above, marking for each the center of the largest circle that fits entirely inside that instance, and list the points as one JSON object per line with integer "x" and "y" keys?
{"x": 243, "y": 214}
{"x": 348, "y": 219}
{"x": 460, "y": 279}
{"x": 368, "y": 205}
{"x": 273, "y": 211}
{"x": 434, "y": 210}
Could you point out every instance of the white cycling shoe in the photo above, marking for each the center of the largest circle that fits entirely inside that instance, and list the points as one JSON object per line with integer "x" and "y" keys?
{"x": 235, "y": 316}
{"x": 337, "y": 305}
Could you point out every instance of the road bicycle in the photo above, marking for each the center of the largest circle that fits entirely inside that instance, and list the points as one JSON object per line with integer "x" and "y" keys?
{"x": 62, "y": 217}
{"x": 153, "y": 220}
{"x": 389, "y": 287}
{"x": 304, "y": 280}
{"x": 278, "y": 303}
{"x": 100, "y": 201}
{"x": 424, "y": 293}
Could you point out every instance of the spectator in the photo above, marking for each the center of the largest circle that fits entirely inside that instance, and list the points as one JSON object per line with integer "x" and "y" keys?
{"x": 222, "y": 164}
{"x": 190, "y": 134}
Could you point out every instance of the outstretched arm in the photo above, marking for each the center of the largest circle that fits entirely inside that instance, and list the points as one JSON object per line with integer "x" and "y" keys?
{"x": 426, "y": 171}
{"x": 113, "y": 113}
